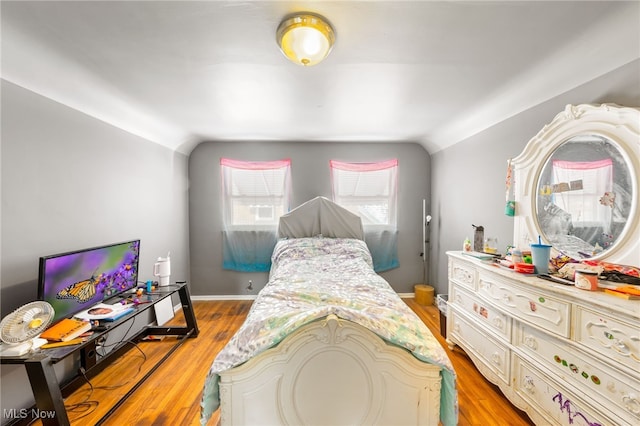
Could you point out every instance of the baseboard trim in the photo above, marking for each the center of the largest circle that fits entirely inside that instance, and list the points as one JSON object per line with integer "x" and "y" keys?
{"x": 225, "y": 297}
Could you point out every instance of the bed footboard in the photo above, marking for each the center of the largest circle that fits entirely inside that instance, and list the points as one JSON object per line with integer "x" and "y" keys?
{"x": 331, "y": 372}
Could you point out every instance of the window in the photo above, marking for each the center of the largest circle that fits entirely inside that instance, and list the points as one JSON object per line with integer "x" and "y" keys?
{"x": 578, "y": 186}
{"x": 367, "y": 189}
{"x": 254, "y": 196}
{"x": 255, "y": 193}
{"x": 370, "y": 190}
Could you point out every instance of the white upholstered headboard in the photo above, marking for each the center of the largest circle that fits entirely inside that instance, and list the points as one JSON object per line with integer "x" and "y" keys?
{"x": 320, "y": 216}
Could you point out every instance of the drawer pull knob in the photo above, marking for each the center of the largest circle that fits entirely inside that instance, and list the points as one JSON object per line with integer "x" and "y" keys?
{"x": 530, "y": 342}
{"x": 458, "y": 298}
{"x": 620, "y": 345}
{"x": 528, "y": 385}
{"x": 631, "y": 403}
{"x": 498, "y": 322}
{"x": 495, "y": 357}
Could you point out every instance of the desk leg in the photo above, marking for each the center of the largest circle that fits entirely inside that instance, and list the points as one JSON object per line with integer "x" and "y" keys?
{"x": 46, "y": 391}
{"x": 187, "y": 309}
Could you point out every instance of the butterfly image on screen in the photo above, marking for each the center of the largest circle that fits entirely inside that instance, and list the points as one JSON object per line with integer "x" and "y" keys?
{"x": 83, "y": 291}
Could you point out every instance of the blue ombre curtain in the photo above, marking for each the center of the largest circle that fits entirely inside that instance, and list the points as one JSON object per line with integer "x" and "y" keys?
{"x": 255, "y": 195}
{"x": 248, "y": 251}
{"x": 383, "y": 245}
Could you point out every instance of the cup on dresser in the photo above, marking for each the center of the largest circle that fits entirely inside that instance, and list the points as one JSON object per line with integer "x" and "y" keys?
{"x": 586, "y": 280}
{"x": 540, "y": 255}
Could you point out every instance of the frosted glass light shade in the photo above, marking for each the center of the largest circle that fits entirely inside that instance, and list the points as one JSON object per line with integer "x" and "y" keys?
{"x": 305, "y": 39}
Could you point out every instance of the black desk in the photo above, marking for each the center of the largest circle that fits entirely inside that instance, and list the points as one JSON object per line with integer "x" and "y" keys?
{"x": 47, "y": 391}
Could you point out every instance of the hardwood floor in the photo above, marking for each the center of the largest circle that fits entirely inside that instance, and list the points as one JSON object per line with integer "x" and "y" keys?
{"x": 171, "y": 396}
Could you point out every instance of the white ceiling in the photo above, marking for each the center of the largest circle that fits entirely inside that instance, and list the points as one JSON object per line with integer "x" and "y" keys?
{"x": 433, "y": 72}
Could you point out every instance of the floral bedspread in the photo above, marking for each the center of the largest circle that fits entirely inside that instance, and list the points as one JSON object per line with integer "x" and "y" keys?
{"x": 311, "y": 278}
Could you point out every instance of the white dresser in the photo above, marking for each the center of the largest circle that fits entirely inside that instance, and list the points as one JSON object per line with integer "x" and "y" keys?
{"x": 565, "y": 356}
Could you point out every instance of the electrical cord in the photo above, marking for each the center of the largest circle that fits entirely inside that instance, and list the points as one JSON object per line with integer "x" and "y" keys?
{"x": 88, "y": 406}
{"x": 132, "y": 377}
{"x": 116, "y": 344}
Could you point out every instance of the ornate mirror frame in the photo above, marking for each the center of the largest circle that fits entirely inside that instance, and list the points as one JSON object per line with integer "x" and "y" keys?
{"x": 621, "y": 126}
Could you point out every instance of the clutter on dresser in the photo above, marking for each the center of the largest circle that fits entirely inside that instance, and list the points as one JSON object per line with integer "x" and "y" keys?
{"x": 478, "y": 237}
{"x": 466, "y": 245}
{"x": 625, "y": 292}
{"x": 586, "y": 280}
{"x": 490, "y": 245}
{"x": 540, "y": 255}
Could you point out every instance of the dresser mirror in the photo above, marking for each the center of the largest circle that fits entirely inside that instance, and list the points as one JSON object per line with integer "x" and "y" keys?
{"x": 584, "y": 196}
{"x": 576, "y": 185}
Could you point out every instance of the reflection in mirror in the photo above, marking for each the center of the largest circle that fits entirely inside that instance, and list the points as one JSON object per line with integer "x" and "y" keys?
{"x": 584, "y": 196}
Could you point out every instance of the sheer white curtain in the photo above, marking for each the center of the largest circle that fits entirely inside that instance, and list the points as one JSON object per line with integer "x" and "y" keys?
{"x": 579, "y": 187}
{"x": 255, "y": 195}
{"x": 370, "y": 190}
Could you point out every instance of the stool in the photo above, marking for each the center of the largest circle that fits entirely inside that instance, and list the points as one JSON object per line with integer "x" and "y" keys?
{"x": 424, "y": 294}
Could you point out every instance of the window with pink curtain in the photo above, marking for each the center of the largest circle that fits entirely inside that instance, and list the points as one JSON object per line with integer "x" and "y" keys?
{"x": 578, "y": 187}
{"x": 370, "y": 190}
{"x": 254, "y": 196}
{"x": 367, "y": 189}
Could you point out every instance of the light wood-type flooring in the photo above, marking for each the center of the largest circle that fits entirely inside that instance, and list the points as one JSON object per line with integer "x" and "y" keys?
{"x": 171, "y": 396}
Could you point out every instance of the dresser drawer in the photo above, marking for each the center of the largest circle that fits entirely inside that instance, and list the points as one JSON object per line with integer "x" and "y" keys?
{"x": 463, "y": 273}
{"x": 582, "y": 372}
{"x": 482, "y": 312}
{"x": 529, "y": 305}
{"x": 493, "y": 354}
{"x": 616, "y": 339}
{"x": 559, "y": 406}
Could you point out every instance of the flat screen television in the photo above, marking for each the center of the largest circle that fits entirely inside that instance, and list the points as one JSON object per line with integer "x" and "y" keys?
{"x": 74, "y": 281}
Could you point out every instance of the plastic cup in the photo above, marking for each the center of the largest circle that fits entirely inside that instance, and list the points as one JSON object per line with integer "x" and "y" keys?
{"x": 540, "y": 255}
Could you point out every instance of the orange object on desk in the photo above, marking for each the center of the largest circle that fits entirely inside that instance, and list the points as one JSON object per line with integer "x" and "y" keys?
{"x": 524, "y": 268}
{"x": 60, "y": 344}
{"x": 625, "y": 292}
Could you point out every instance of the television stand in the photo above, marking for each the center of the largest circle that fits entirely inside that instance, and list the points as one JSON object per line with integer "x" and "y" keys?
{"x": 47, "y": 390}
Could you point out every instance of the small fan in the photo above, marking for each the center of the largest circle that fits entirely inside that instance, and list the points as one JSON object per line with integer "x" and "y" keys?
{"x": 20, "y": 329}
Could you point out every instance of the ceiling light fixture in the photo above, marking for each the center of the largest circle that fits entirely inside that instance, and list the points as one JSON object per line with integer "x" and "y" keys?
{"x": 305, "y": 38}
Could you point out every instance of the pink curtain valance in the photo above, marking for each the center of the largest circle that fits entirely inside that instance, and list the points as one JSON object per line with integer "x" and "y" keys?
{"x": 582, "y": 165}
{"x": 363, "y": 167}
{"x": 255, "y": 165}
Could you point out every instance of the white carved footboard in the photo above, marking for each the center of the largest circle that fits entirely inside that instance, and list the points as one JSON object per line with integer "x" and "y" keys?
{"x": 331, "y": 372}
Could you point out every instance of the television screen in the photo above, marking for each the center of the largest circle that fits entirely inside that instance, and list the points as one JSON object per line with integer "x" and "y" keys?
{"x": 75, "y": 281}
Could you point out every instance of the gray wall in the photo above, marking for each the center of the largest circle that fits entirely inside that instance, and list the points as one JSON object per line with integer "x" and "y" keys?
{"x": 468, "y": 178}
{"x": 70, "y": 181}
{"x": 310, "y": 178}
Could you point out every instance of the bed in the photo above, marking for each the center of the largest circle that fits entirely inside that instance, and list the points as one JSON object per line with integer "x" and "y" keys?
{"x": 328, "y": 341}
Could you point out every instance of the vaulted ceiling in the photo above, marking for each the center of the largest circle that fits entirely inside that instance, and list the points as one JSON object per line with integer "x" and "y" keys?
{"x": 432, "y": 72}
